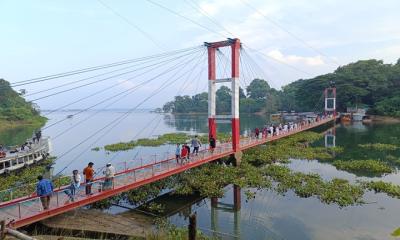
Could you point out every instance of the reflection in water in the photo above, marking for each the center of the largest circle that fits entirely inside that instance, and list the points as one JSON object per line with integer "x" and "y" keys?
{"x": 16, "y": 136}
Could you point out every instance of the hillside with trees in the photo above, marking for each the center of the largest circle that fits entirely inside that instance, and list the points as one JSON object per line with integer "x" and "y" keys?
{"x": 368, "y": 83}
{"x": 14, "y": 109}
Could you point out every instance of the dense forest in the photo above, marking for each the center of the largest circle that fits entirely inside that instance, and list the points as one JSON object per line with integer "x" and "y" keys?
{"x": 14, "y": 108}
{"x": 368, "y": 83}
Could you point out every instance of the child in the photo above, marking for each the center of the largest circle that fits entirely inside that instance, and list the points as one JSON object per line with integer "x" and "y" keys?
{"x": 177, "y": 153}
{"x": 184, "y": 154}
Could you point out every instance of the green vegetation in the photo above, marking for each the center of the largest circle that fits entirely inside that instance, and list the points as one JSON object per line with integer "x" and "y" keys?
{"x": 26, "y": 177}
{"x": 166, "y": 231}
{"x": 396, "y": 232}
{"x": 368, "y": 166}
{"x": 390, "y": 189}
{"x": 210, "y": 181}
{"x": 379, "y": 146}
{"x": 263, "y": 168}
{"x": 14, "y": 110}
{"x": 168, "y": 138}
{"x": 369, "y": 83}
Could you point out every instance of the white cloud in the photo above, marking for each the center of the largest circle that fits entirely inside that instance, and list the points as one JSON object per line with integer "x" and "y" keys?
{"x": 295, "y": 59}
{"x": 214, "y": 7}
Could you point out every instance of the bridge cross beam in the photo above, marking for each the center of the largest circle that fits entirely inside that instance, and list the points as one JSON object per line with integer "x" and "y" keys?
{"x": 234, "y": 44}
{"x": 330, "y": 100}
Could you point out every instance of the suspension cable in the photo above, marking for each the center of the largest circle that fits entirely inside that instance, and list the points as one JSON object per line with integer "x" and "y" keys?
{"x": 102, "y": 74}
{"x": 89, "y": 69}
{"x": 129, "y": 91}
{"x": 116, "y": 121}
{"x": 154, "y": 66}
{"x": 116, "y": 95}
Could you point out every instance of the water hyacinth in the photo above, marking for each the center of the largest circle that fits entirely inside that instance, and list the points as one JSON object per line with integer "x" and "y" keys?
{"x": 168, "y": 138}
{"x": 369, "y": 166}
{"x": 379, "y": 146}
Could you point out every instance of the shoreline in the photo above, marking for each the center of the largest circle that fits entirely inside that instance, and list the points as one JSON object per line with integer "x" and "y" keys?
{"x": 384, "y": 119}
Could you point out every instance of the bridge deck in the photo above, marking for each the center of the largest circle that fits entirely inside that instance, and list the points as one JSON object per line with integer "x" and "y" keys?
{"x": 26, "y": 210}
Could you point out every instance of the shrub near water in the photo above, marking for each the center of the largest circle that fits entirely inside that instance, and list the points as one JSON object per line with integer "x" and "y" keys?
{"x": 369, "y": 166}
{"x": 379, "y": 146}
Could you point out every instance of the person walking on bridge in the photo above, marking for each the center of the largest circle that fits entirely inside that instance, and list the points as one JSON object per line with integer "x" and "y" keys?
{"x": 89, "y": 173}
{"x": 109, "y": 176}
{"x": 75, "y": 184}
{"x": 184, "y": 153}
{"x": 44, "y": 189}
{"x": 212, "y": 143}
{"x": 196, "y": 144}
{"x": 257, "y": 132}
{"x": 177, "y": 153}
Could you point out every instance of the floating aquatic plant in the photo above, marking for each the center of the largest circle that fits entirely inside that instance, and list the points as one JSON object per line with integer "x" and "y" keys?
{"x": 368, "y": 166}
{"x": 379, "y": 146}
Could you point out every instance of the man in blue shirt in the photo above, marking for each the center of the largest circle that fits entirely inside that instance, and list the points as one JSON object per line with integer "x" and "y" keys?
{"x": 44, "y": 189}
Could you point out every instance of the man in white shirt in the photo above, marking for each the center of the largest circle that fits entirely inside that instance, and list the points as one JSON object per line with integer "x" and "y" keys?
{"x": 109, "y": 176}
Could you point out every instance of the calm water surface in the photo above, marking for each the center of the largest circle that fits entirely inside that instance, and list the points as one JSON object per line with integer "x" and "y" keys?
{"x": 269, "y": 215}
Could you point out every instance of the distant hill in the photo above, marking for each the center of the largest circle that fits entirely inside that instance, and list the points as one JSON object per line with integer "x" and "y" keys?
{"x": 14, "y": 109}
{"x": 367, "y": 83}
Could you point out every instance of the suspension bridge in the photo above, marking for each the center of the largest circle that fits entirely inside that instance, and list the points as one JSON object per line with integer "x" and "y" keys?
{"x": 27, "y": 209}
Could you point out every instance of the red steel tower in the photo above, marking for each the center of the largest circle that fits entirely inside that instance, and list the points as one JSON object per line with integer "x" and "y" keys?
{"x": 234, "y": 79}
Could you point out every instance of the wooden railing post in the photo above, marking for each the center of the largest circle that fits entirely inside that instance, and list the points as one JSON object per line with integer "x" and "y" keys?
{"x": 3, "y": 230}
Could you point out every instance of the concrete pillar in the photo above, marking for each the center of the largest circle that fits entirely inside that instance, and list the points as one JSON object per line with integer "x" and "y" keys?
{"x": 237, "y": 203}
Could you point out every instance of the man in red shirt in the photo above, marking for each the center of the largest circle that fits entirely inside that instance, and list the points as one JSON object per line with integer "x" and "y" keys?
{"x": 89, "y": 173}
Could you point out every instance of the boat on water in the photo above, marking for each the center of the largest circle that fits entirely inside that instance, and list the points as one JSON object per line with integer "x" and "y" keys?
{"x": 357, "y": 114}
{"x": 345, "y": 117}
{"x": 14, "y": 158}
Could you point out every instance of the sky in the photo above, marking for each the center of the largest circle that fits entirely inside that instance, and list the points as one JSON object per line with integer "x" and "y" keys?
{"x": 288, "y": 39}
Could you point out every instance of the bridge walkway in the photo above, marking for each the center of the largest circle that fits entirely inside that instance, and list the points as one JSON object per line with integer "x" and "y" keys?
{"x": 28, "y": 209}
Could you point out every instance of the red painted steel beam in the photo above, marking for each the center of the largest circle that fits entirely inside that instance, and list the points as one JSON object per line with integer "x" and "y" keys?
{"x": 110, "y": 193}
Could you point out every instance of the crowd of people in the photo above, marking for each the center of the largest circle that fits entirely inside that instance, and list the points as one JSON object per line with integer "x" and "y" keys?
{"x": 279, "y": 129}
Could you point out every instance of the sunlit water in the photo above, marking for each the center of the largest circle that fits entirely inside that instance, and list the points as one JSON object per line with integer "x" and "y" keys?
{"x": 269, "y": 215}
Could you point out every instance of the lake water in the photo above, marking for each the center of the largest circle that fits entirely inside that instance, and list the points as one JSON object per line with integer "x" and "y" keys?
{"x": 269, "y": 215}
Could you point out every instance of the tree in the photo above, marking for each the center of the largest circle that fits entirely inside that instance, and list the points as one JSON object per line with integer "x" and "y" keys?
{"x": 224, "y": 99}
{"x": 241, "y": 93}
{"x": 258, "y": 89}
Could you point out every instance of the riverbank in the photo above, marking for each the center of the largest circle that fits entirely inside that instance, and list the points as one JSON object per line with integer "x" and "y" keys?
{"x": 36, "y": 122}
{"x": 384, "y": 119}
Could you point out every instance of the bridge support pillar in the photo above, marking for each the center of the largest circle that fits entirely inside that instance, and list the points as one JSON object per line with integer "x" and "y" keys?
{"x": 214, "y": 202}
{"x": 237, "y": 203}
